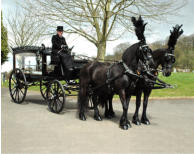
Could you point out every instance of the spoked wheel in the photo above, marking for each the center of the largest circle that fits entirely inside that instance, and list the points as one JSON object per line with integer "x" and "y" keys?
{"x": 17, "y": 86}
{"x": 56, "y": 96}
{"x": 44, "y": 88}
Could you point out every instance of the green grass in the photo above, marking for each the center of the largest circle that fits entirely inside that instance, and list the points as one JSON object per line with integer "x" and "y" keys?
{"x": 184, "y": 82}
{"x": 34, "y": 88}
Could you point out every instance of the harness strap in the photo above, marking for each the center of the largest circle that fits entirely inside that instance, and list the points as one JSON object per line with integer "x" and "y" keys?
{"x": 108, "y": 74}
{"x": 142, "y": 46}
{"x": 128, "y": 71}
{"x": 170, "y": 54}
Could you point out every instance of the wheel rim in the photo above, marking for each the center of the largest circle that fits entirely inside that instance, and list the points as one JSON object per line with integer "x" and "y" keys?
{"x": 17, "y": 86}
{"x": 56, "y": 97}
{"x": 44, "y": 88}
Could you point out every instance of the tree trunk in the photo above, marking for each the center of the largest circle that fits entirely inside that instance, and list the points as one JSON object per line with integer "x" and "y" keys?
{"x": 101, "y": 51}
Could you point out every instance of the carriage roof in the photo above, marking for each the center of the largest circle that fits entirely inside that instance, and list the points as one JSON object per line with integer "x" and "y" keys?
{"x": 31, "y": 49}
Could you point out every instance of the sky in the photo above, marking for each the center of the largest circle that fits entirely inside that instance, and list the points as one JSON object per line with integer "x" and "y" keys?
{"x": 159, "y": 31}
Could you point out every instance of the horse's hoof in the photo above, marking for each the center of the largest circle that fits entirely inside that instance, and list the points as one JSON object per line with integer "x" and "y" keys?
{"x": 128, "y": 124}
{"x": 124, "y": 127}
{"x": 82, "y": 117}
{"x": 98, "y": 118}
{"x": 136, "y": 122}
{"x": 146, "y": 122}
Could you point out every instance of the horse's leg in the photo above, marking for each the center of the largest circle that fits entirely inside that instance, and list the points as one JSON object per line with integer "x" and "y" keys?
{"x": 111, "y": 112}
{"x": 124, "y": 123}
{"x": 144, "y": 118}
{"x": 106, "y": 114}
{"x": 96, "y": 111}
{"x": 83, "y": 101}
{"x": 138, "y": 103}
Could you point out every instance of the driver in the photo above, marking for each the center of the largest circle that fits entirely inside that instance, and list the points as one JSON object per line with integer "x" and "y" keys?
{"x": 60, "y": 52}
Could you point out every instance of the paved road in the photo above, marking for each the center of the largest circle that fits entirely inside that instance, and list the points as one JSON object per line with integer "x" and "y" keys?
{"x": 31, "y": 128}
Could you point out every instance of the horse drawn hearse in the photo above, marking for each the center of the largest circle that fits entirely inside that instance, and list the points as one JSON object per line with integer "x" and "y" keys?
{"x": 32, "y": 66}
{"x": 137, "y": 73}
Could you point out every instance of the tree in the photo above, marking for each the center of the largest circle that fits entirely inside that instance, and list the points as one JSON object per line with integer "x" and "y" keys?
{"x": 4, "y": 42}
{"x": 158, "y": 45}
{"x": 118, "y": 52}
{"x": 24, "y": 29}
{"x": 184, "y": 52}
{"x": 100, "y": 21}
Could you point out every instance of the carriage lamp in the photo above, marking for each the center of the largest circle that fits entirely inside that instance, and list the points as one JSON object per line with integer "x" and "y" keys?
{"x": 38, "y": 60}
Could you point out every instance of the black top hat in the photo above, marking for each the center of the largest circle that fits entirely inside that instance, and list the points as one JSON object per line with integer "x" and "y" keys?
{"x": 59, "y": 28}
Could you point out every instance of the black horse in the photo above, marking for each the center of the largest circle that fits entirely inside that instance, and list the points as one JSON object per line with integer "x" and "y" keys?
{"x": 103, "y": 80}
{"x": 163, "y": 57}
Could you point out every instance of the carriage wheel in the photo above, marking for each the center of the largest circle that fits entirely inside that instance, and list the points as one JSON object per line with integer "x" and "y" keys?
{"x": 44, "y": 88}
{"x": 56, "y": 96}
{"x": 17, "y": 86}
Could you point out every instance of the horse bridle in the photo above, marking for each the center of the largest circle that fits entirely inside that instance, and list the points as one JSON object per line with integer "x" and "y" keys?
{"x": 147, "y": 70}
{"x": 145, "y": 62}
{"x": 169, "y": 56}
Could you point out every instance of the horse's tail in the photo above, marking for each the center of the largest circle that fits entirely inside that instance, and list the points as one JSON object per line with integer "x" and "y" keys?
{"x": 83, "y": 96}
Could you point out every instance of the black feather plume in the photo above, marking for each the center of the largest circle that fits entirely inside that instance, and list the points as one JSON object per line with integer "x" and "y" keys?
{"x": 139, "y": 28}
{"x": 175, "y": 34}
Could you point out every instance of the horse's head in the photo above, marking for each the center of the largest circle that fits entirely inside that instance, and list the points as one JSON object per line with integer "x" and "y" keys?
{"x": 169, "y": 57}
{"x": 167, "y": 64}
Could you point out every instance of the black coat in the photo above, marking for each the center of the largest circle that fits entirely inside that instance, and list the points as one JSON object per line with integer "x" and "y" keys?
{"x": 56, "y": 46}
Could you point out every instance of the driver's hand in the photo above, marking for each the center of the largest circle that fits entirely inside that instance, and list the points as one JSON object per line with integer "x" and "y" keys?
{"x": 63, "y": 46}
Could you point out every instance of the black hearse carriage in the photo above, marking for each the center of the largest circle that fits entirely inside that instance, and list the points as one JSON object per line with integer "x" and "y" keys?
{"x": 32, "y": 67}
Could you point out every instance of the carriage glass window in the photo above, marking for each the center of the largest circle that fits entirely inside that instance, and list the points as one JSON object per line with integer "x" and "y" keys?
{"x": 29, "y": 63}
{"x": 48, "y": 61}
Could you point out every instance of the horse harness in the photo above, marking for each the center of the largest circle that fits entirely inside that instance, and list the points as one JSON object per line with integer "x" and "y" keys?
{"x": 129, "y": 72}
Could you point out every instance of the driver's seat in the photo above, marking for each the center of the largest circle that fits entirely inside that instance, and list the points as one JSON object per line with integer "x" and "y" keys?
{"x": 55, "y": 59}
{"x": 55, "y": 62}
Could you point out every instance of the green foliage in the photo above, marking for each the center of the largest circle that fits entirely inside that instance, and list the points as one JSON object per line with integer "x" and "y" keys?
{"x": 185, "y": 52}
{"x": 4, "y": 42}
